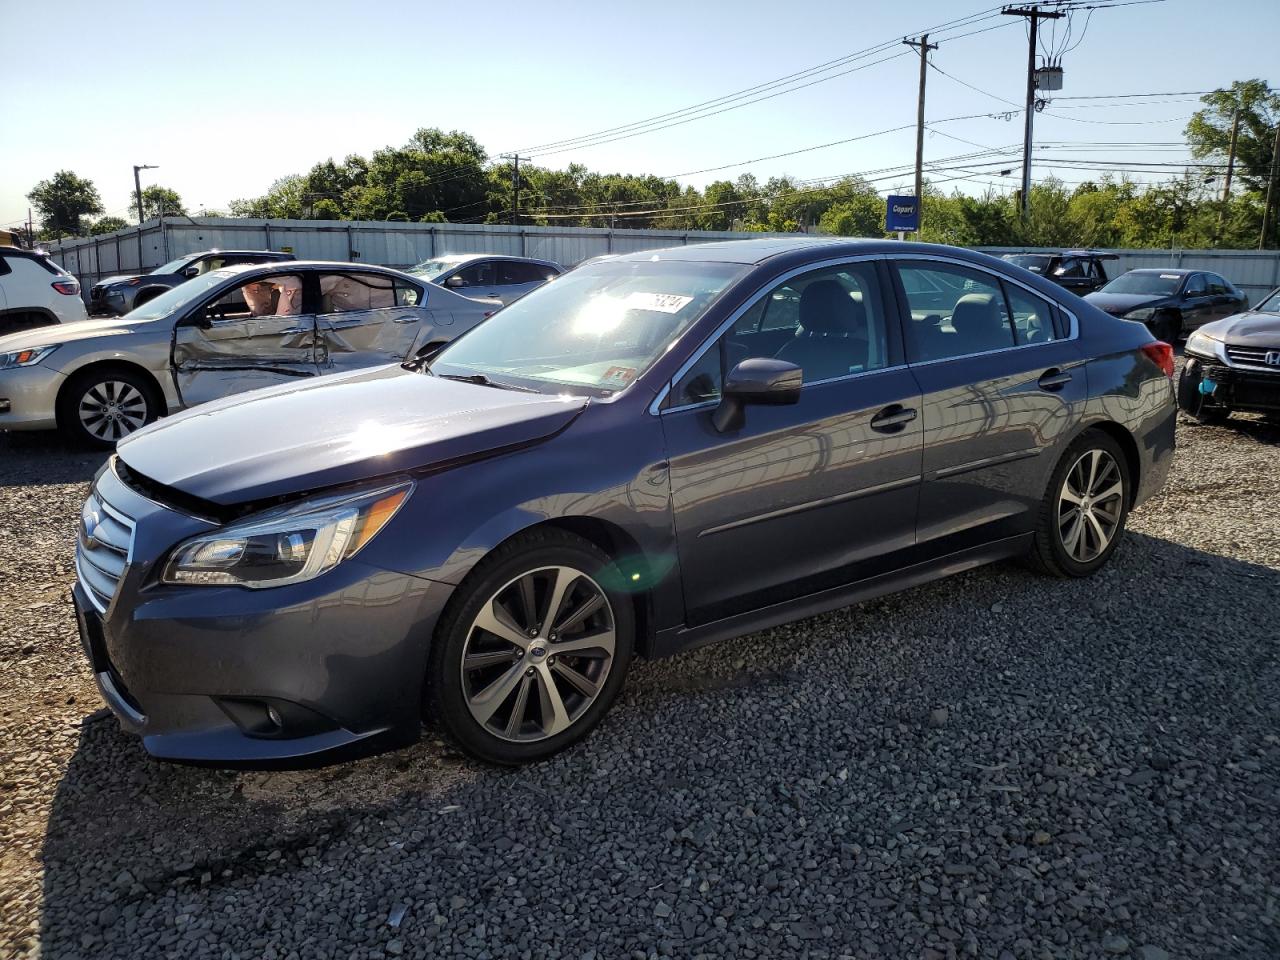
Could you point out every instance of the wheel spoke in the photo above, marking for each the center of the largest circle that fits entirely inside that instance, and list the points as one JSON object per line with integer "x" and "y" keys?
{"x": 1098, "y": 532}
{"x": 519, "y": 708}
{"x": 485, "y": 703}
{"x": 1071, "y": 539}
{"x": 584, "y": 685}
{"x": 1069, "y": 494}
{"x": 528, "y": 604}
{"x": 1115, "y": 490}
{"x": 579, "y": 615}
{"x": 494, "y": 619}
{"x": 488, "y": 658}
{"x": 1094, "y": 456}
{"x": 95, "y": 394}
{"x": 554, "y": 716}
{"x": 602, "y": 640}
{"x": 564, "y": 579}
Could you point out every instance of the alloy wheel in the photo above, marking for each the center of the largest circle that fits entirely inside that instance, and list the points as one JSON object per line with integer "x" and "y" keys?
{"x": 1090, "y": 505}
{"x": 538, "y": 654}
{"x": 112, "y": 409}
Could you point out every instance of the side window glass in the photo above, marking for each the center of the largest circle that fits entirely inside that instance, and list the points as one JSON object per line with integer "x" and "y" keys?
{"x": 349, "y": 292}
{"x": 1032, "y": 316}
{"x": 478, "y": 274}
{"x": 407, "y": 295}
{"x": 1196, "y": 286}
{"x": 703, "y": 379}
{"x": 1217, "y": 286}
{"x": 515, "y": 272}
{"x": 1070, "y": 268}
{"x": 955, "y": 311}
{"x": 279, "y": 296}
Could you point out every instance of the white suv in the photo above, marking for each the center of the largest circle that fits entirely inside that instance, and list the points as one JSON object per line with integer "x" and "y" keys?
{"x": 35, "y": 292}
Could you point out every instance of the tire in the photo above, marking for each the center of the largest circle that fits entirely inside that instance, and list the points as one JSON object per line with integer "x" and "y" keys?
{"x": 1055, "y": 551}
{"x": 98, "y": 407}
{"x": 1167, "y": 327}
{"x": 1194, "y": 403}
{"x": 497, "y": 701}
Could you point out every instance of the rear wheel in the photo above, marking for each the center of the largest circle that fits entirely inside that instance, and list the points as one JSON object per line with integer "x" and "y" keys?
{"x": 1084, "y": 510}
{"x": 534, "y": 651}
{"x": 99, "y": 407}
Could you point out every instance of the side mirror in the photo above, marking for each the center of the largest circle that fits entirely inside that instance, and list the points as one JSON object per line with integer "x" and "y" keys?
{"x": 756, "y": 380}
{"x": 191, "y": 272}
{"x": 455, "y": 282}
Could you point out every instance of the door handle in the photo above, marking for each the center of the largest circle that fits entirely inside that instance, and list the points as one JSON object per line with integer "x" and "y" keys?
{"x": 409, "y": 319}
{"x": 1054, "y": 379}
{"x": 892, "y": 418}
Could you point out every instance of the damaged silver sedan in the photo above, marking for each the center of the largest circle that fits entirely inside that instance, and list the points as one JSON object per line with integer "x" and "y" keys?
{"x": 231, "y": 330}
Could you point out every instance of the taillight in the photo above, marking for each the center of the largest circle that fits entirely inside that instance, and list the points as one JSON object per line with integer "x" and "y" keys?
{"x": 1161, "y": 354}
{"x": 70, "y": 286}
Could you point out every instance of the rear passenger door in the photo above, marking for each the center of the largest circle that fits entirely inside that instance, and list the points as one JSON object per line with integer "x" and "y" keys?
{"x": 365, "y": 319}
{"x": 1003, "y": 384}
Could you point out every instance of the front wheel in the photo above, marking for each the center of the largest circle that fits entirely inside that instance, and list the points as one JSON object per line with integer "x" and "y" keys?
{"x": 99, "y": 407}
{"x": 533, "y": 652}
{"x": 1083, "y": 513}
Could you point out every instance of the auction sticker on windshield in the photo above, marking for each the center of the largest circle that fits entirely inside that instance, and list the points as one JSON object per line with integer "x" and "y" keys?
{"x": 658, "y": 302}
{"x": 619, "y": 376}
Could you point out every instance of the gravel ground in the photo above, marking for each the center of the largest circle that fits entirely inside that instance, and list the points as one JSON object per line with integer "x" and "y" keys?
{"x": 996, "y": 765}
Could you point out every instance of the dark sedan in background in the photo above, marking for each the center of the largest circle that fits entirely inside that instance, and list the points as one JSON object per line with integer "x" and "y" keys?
{"x": 1234, "y": 364}
{"x": 118, "y": 295}
{"x": 651, "y": 453}
{"x": 1171, "y": 303}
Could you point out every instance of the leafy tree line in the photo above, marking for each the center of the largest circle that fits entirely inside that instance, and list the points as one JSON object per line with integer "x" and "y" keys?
{"x": 448, "y": 177}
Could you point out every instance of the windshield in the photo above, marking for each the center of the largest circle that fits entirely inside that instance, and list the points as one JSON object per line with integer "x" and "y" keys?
{"x": 179, "y": 296}
{"x": 1029, "y": 261}
{"x": 430, "y": 269}
{"x": 596, "y": 328}
{"x": 1156, "y": 284}
{"x": 1271, "y": 304}
{"x": 173, "y": 266}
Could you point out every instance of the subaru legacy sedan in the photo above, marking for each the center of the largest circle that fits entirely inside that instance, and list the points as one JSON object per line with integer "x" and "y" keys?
{"x": 653, "y": 452}
{"x": 226, "y": 331}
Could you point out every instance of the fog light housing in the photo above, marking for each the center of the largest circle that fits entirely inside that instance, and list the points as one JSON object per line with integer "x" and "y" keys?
{"x": 269, "y": 718}
{"x": 4, "y": 405}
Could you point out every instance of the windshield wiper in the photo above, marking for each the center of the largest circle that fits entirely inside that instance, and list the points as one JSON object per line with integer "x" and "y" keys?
{"x": 481, "y": 380}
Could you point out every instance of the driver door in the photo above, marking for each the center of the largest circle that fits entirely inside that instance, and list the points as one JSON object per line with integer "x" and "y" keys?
{"x": 255, "y": 335}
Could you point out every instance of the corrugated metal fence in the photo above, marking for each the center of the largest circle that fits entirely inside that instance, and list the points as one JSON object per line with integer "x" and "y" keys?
{"x": 404, "y": 244}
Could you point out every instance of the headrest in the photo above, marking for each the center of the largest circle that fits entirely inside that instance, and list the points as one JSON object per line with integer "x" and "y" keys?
{"x": 826, "y": 310}
{"x": 976, "y": 313}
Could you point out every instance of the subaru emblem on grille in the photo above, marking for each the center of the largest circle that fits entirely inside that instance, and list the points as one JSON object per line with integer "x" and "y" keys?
{"x": 1272, "y": 359}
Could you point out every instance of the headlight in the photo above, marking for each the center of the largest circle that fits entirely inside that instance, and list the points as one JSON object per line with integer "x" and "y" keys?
{"x": 1142, "y": 313}
{"x": 288, "y": 545}
{"x": 25, "y": 358}
{"x": 1204, "y": 345}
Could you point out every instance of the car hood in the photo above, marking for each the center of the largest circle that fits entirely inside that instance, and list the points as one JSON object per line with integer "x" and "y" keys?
{"x": 121, "y": 278}
{"x": 68, "y": 332}
{"x": 337, "y": 429}
{"x": 1121, "y": 303}
{"x": 1253, "y": 328}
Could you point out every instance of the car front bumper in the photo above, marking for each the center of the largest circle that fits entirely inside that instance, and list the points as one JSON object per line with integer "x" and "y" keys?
{"x": 111, "y": 301}
{"x": 1238, "y": 387}
{"x": 197, "y": 671}
{"x": 29, "y": 398}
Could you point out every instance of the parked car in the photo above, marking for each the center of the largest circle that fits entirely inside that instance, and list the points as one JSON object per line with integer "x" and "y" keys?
{"x": 120, "y": 294}
{"x": 651, "y": 453}
{"x": 1234, "y": 364}
{"x": 1080, "y": 271}
{"x": 485, "y": 275}
{"x": 1170, "y": 302}
{"x": 35, "y": 292}
{"x": 227, "y": 331}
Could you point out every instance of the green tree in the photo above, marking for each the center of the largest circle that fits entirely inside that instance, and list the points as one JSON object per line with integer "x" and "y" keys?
{"x": 283, "y": 201}
{"x": 62, "y": 201}
{"x": 157, "y": 199}
{"x": 106, "y": 225}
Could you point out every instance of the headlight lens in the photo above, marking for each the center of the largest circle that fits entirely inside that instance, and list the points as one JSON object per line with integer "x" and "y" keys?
{"x": 1202, "y": 344}
{"x": 286, "y": 546}
{"x": 25, "y": 358}
{"x": 1142, "y": 313}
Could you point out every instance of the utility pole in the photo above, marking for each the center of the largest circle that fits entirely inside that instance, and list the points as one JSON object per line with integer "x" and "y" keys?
{"x": 1271, "y": 189}
{"x": 1231, "y": 153}
{"x": 924, "y": 46}
{"x": 515, "y": 187}
{"x": 137, "y": 186}
{"x": 1034, "y": 15}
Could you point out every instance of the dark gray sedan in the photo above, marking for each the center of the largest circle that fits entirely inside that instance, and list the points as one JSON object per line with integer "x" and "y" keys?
{"x": 654, "y": 452}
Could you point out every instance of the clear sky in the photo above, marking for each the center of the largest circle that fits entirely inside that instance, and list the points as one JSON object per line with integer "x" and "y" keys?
{"x": 226, "y": 97}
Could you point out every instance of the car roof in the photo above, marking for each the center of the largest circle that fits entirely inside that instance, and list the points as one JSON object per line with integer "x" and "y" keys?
{"x": 756, "y": 251}
{"x": 1179, "y": 271}
{"x": 256, "y": 253}
{"x": 287, "y": 265}
{"x": 468, "y": 257}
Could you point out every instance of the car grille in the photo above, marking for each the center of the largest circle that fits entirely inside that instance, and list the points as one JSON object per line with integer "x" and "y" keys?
{"x": 1253, "y": 355}
{"x": 103, "y": 549}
